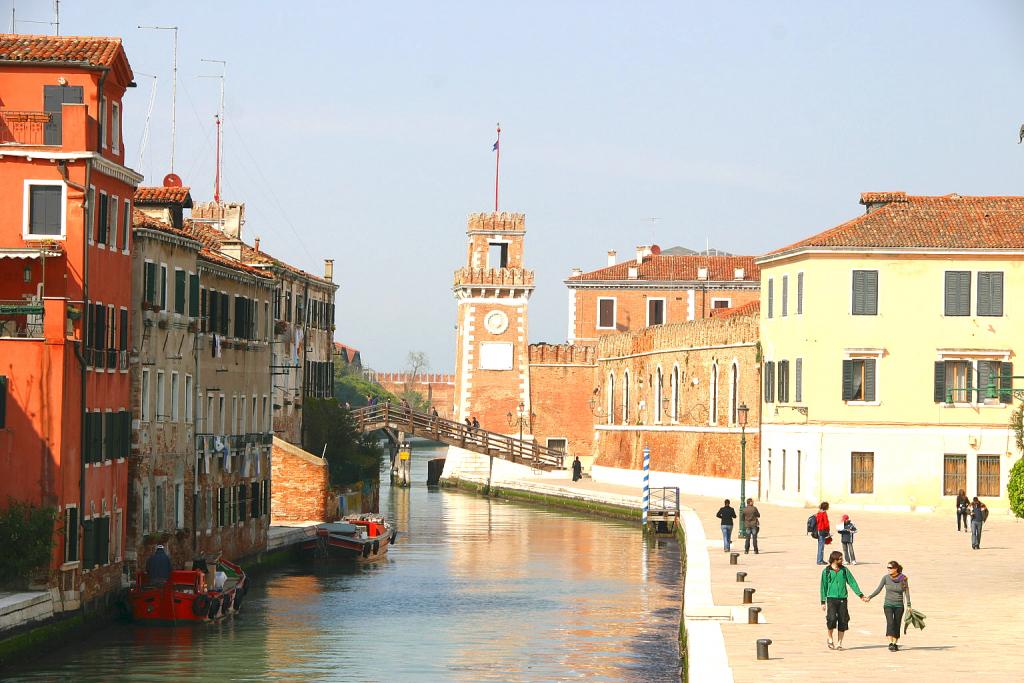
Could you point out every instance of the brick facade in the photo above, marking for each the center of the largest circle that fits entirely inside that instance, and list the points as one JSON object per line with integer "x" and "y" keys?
{"x": 437, "y": 389}
{"x": 562, "y": 381}
{"x": 301, "y": 491}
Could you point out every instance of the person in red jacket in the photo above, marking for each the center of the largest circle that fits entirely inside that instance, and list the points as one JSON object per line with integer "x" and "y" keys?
{"x": 823, "y": 530}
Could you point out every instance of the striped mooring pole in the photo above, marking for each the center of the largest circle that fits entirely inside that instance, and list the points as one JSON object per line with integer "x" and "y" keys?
{"x": 647, "y": 485}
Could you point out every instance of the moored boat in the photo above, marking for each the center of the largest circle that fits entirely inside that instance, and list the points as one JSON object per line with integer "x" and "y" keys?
{"x": 186, "y": 597}
{"x": 356, "y": 537}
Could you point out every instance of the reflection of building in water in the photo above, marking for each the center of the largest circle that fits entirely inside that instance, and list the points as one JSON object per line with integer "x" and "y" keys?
{"x": 293, "y": 631}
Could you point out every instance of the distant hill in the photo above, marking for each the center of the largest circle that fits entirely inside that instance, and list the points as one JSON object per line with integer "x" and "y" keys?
{"x": 683, "y": 251}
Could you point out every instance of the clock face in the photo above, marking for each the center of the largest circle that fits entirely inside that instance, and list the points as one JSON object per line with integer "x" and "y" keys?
{"x": 496, "y": 322}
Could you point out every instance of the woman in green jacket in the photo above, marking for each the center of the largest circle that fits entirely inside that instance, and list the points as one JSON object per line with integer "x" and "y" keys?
{"x": 834, "y": 579}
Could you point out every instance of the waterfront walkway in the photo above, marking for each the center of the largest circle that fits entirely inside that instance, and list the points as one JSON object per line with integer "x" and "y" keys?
{"x": 971, "y": 597}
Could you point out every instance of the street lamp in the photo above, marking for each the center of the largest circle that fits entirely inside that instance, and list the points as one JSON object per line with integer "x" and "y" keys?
{"x": 741, "y": 417}
{"x": 520, "y": 419}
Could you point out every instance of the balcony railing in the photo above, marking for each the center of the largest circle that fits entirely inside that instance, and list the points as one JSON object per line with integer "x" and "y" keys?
{"x": 23, "y": 127}
{"x": 21, "y": 319}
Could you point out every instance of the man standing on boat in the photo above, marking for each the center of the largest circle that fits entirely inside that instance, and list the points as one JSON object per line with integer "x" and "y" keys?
{"x": 158, "y": 568}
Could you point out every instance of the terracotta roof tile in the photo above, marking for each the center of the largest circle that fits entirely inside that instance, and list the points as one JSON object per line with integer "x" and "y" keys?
{"x": 164, "y": 195}
{"x": 663, "y": 267}
{"x": 218, "y": 258}
{"x": 751, "y": 307}
{"x": 141, "y": 220}
{"x": 896, "y": 220}
{"x": 87, "y": 50}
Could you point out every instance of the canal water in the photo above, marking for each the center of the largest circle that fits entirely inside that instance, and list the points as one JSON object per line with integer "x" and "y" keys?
{"x": 474, "y": 590}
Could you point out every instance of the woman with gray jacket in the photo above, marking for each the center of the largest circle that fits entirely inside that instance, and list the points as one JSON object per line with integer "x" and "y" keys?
{"x": 897, "y": 588}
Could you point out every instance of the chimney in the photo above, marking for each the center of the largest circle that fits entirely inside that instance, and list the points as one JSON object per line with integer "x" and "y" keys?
{"x": 702, "y": 273}
{"x": 634, "y": 273}
{"x": 234, "y": 219}
{"x": 739, "y": 273}
{"x": 232, "y": 248}
{"x": 329, "y": 269}
{"x": 256, "y": 244}
{"x": 576, "y": 272}
{"x": 640, "y": 254}
{"x": 611, "y": 257}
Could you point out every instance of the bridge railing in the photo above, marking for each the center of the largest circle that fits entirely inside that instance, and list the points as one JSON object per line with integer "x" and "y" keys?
{"x": 458, "y": 434}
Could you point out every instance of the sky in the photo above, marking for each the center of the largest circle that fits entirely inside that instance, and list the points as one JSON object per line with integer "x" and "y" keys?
{"x": 363, "y": 131}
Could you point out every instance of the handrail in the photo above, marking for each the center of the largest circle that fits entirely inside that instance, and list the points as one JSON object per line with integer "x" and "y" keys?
{"x": 458, "y": 434}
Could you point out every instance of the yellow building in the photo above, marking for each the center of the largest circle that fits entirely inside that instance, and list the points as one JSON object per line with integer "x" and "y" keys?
{"x": 888, "y": 345}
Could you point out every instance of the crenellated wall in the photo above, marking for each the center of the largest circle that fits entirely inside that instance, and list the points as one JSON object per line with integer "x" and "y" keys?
{"x": 562, "y": 379}
{"x": 438, "y": 389}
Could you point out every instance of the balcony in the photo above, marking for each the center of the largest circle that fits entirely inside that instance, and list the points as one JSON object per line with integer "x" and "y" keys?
{"x": 23, "y": 127}
{"x": 21, "y": 319}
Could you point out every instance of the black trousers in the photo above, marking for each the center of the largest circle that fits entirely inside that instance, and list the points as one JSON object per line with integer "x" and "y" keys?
{"x": 893, "y": 619}
{"x": 961, "y": 517}
{"x": 837, "y": 614}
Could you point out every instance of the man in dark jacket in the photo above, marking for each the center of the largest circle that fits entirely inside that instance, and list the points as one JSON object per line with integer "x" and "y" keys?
{"x": 752, "y": 523}
{"x": 158, "y": 568}
{"x": 727, "y": 514}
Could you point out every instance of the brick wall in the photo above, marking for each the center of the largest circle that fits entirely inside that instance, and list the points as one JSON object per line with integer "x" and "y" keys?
{"x": 692, "y": 437}
{"x": 438, "y": 389}
{"x": 562, "y": 381}
{"x": 301, "y": 485}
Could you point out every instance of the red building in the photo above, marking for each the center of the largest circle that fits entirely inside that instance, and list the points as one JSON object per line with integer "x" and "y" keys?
{"x": 65, "y": 293}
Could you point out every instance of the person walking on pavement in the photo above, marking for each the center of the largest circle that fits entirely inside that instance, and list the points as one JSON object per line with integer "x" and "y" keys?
{"x": 751, "y": 515}
{"x": 978, "y": 515}
{"x": 577, "y": 469}
{"x": 727, "y": 514}
{"x": 823, "y": 529}
{"x": 834, "y": 579}
{"x": 963, "y": 503}
{"x": 846, "y": 532}
{"x": 897, "y": 588}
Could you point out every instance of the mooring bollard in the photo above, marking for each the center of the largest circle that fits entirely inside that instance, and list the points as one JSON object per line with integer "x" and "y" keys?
{"x": 752, "y": 613}
{"x": 762, "y": 648}
{"x": 748, "y": 596}
{"x": 740, "y": 576}
{"x": 734, "y": 558}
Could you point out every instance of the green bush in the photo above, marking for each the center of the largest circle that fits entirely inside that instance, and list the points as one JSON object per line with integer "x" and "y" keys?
{"x": 352, "y": 388}
{"x": 26, "y": 537}
{"x": 1015, "y": 488}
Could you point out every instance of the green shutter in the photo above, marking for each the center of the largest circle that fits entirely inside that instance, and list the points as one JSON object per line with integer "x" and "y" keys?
{"x": 847, "y": 380}
{"x": 785, "y": 295}
{"x": 88, "y": 544}
{"x": 783, "y": 370}
{"x": 871, "y": 292}
{"x": 163, "y": 288}
{"x": 102, "y": 535}
{"x": 990, "y": 293}
{"x": 769, "y": 381}
{"x": 939, "y": 387}
{"x": 958, "y": 293}
{"x": 771, "y": 296}
{"x": 1006, "y": 383}
{"x": 149, "y": 284}
{"x": 179, "y": 291}
{"x": 997, "y": 294}
{"x": 988, "y": 375}
{"x": 869, "y": 379}
{"x": 799, "y": 380}
{"x": 193, "y": 295}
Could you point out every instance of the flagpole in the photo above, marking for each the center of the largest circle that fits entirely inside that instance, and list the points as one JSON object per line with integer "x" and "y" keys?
{"x": 497, "y": 165}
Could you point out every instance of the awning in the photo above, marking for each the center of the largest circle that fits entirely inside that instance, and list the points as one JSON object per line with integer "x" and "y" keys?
{"x": 28, "y": 252}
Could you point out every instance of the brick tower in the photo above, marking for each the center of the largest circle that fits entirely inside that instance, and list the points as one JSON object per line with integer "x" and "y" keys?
{"x": 492, "y": 291}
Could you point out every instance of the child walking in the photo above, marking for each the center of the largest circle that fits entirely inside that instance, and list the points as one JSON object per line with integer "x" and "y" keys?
{"x": 846, "y": 532}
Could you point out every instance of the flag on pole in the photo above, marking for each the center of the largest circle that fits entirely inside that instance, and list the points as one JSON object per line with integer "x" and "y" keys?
{"x": 495, "y": 147}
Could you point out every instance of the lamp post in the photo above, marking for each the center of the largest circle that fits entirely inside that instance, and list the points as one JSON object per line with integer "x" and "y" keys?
{"x": 520, "y": 419}
{"x": 741, "y": 416}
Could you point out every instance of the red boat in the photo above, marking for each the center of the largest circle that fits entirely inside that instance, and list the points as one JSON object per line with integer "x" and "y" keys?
{"x": 186, "y": 597}
{"x": 358, "y": 537}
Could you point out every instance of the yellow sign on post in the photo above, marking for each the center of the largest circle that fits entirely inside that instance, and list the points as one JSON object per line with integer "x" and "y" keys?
{"x": 404, "y": 453}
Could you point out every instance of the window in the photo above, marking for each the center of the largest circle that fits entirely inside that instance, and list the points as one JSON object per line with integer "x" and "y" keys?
{"x": 785, "y": 312}
{"x": 144, "y": 415}
{"x": 159, "y": 519}
{"x": 988, "y": 476}
{"x": 122, "y": 341}
{"x": 497, "y": 254}
{"x": 859, "y": 379}
{"x": 958, "y": 292}
{"x": 161, "y": 413}
{"x": 179, "y": 506}
{"x": 799, "y": 295}
{"x": 71, "y": 534}
{"x": 659, "y": 386}
{"x": 862, "y": 473}
{"x": 675, "y": 393}
{"x": 174, "y": 397}
{"x": 44, "y": 209}
{"x": 559, "y": 445}
{"x": 783, "y": 368}
{"x": 958, "y": 383}
{"x": 146, "y": 513}
{"x": 713, "y": 399}
{"x": 92, "y": 214}
{"x": 799, "y": 380}
{"x": 255, "y": 424}
{"x": 126, "y": 220}
{"x": 266, "y": 416}
{"x": 954, "y": 474}
{"x": 223, "y": 413}
{"x": 990, "y": 294}
{"x": 720, "y": 303}
{"x": 193, "y": 295}
{"x": 149, "y": 282}
{"x": 625, "y": 398}
{"x": 54, "y": 99}
{"x": 655, "y": 312}
{"x": 112, "y": 228}
{"x": 771, "y": 297}
{"x": 734, "y": 394}
{"x": 865, "y": 292}
{"x": 3, "y": 402}
{"x": 163, "y": 286}
{"x": 103, "y": 219}
{"x": 769, "y": 381}
{"x": 611, "y": 399}
{"x": 234, "y": 414}
{"x": 606, "y": 314}
{"x": 188, "y": 398}
{"x": 115, "y": 127}
{"x": 179, "y": 291}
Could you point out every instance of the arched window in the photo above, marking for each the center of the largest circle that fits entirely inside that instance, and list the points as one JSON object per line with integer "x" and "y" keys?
{"x": 713, "y": 399}
{"x": 675, "y": 393}
{"x": 658, "y": 390}
{"x": 611, "y": 398}
{"x": 734, "y": 394}
{"x": 625, "y": 398}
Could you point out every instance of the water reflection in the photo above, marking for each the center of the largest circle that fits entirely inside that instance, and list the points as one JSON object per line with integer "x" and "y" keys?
{"x": 474, "y": 590}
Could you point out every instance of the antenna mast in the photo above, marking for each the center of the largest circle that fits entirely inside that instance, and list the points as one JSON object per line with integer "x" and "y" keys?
{"x": 174, "y": 84}
{"x": 149, "y": 113}
{"x": 56, "y": 16}
{"x": 219, "y": 178}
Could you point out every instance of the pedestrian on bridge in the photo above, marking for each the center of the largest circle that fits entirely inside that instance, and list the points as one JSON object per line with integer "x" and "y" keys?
{"x": 476, "y": 424}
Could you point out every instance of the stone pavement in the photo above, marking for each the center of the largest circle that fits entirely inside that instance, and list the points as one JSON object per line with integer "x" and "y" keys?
{"x": 972, "y": 598}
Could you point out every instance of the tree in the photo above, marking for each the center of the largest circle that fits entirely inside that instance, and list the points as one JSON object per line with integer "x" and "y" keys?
{"x": 417, "y": 362}
{"x": 351, "y": 456}
{"x": 351, "y": 387}
{"x": 1015, "y": 485}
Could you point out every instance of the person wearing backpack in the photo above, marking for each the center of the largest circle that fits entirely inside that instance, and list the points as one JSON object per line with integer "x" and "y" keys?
{"x": 846, "y": 532}
{"x": 979, "y": 514}
{"x": 834, "y": 579}
{"x": 823, "y": 529}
